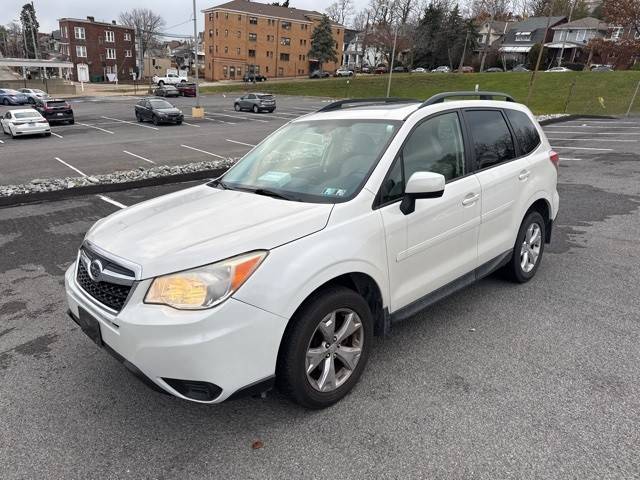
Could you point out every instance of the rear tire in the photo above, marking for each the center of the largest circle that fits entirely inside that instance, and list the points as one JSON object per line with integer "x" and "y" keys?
{"x": 323, "y": 384}
{"x": 72, "y": 122}
{"x": 5, "y": 102}
{"x": 179, "y": 122}
{"x": 47, "y": 134}
{"x": 138, "y": 117}
{"x": 528, "y": 250}
{"x": 156, "y": 122}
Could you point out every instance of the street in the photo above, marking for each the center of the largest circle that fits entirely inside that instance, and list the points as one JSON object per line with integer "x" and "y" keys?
{"x": 499, "y": 381}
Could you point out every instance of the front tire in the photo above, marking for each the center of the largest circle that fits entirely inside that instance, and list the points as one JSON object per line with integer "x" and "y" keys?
{"x": 161, "y": 83}
{"x": 528, "y": 250}
{"x": 255, "y": 109}
{"x": 236, "y": 107}
{"x": 156, "y": 122}
{"x": 138, "y": 117}
{"x": 325, "y": 348}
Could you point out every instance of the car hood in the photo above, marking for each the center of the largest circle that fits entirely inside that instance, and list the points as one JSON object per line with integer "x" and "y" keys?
{"x": 168, "y": 110}
{"x": 202, "y": 225}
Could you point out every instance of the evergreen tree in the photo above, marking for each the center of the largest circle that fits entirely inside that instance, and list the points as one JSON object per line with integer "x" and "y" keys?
{"x": 323, "y": 45}
{"x": 30, "y": 28}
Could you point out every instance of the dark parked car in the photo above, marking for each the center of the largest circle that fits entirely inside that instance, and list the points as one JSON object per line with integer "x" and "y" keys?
{"x": 186, "y": 89}
{"x": 380, "y": 70}
{"x": 158, "y": 111}
{"x": 55, "y": 110}
{"x": 12, "y": 97}
{"x": 366, "y": 69}
{"x": 520, "y": 68}
{"x": 494, "y": 70}
{"x": 467, "y": 69}
{"x": 319, "y": 74}
{"x": 256, "y": 102}
{"x": 400, "y": 69}
{"x": 253, "y": 77}
{"x": 166, "y": 91}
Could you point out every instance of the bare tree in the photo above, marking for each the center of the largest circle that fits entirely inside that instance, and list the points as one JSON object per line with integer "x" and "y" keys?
{"x": 147, "y": 24}
{"x": 340, "y": 11}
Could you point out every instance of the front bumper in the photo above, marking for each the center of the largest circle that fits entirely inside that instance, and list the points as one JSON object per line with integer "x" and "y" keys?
{"x": 231, "y": 346}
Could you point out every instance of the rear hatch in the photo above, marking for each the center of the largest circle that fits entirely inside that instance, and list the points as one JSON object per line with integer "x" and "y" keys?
{"x": 267, "y": 99}
{"x": 58, "y": 108}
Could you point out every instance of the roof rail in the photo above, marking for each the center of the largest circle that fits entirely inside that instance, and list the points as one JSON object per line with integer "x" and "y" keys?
{"x": 441, "y": 97}
{"x": 373, "y": 101}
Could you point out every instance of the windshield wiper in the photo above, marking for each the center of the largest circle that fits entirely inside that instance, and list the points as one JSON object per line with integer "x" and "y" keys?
{"x": 221, "y": 184}
{"x": 272, "y": 193}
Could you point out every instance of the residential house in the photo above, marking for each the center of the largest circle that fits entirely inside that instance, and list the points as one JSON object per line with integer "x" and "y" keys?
{"x": 570, "y": 39}
{"x": 106, "y": 50}
{"x": 522, "y": 36}
{"x": 494, "y": 32}
{"x": 156, "y": 62}
{"x": 243, "y": 35}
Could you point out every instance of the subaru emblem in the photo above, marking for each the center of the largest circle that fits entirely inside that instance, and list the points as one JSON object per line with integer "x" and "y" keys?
{"x": 95, "y": 270}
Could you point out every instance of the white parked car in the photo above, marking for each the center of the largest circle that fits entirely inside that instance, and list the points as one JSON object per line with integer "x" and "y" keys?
{"x": 33, "y": 94}
{"x": 336, "y": 226}
{"x": 28, "y": 121}
{"x": 441, "y": 69}
{"x": 558, "y": 69}
{"x": 170, "y": 79}
{"x": 419, "y": 70}
{"x": 344, "y": 72}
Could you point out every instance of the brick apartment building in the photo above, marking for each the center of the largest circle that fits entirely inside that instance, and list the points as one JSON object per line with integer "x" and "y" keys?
{"x": 243, "y": 35}
{"x": 106, "y": 48}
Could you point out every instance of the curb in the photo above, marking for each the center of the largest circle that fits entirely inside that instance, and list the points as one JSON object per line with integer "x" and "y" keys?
{"x": 574, "y": 117}
{"x": 40, "y": 197}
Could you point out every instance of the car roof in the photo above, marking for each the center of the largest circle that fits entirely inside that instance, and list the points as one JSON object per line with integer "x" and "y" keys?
{"x": 401, "y": 111}
{"x": 24, "y": 110}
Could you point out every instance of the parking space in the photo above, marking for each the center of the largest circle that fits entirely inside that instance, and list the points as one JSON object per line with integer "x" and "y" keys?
{"x": 106, "y": 137}
{"x": 501, "y": 381}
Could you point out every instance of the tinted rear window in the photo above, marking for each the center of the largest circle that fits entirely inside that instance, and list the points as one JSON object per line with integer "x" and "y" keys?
{"x": 265, "y": 97}
{"x": 524, "y": 130}
{"x": 491, "y": 137}
{"x": 60, "y": 103}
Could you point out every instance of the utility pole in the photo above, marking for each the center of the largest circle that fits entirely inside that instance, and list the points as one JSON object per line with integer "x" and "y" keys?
{"x": 566, "y": 32}
{"x": 464, "y": 52}
{"x": 486, "y": 43}
{"x": 197, "y": 111}
{"x": 551, "y": 4}
{"x": 393, "y": 59}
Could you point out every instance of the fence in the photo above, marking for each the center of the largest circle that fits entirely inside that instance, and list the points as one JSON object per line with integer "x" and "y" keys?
{"x": 51, "y": 86}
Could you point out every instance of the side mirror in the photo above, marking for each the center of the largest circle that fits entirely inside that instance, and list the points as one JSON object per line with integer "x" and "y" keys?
{"x": 421, "y": 185}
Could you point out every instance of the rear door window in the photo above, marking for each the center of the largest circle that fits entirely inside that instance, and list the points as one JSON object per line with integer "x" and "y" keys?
{"x": 524, "y": 130}
{"x": 492, "y": 141}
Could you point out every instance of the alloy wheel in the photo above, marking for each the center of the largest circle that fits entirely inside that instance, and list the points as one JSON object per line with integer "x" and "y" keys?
{"x": 530, "y": 250}
{"x": 334, "y": 350}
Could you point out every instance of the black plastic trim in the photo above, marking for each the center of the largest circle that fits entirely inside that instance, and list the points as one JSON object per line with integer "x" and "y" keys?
{"x": 340, "y": 104}
{"x": 441, "y": 97}
{"x": 255, "y": 388}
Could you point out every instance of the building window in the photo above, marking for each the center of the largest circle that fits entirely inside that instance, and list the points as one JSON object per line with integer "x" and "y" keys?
{"x": 109, "y": 36}
{"x": 338, "y": 31}
{"x": 253, "y": 37}
{"x": 210, "y": 32}
{"x": 65, "y": 32}
{"x": 226, "y": 33}
{"x": 226, "y": 49}
{"x": 127, "y": 37}
{"x": 253, "y": 20}
{"x": 286, "y": 25}
{"x": 210, "y": 17}
{"x": 270, "y": 38}
{"x": 238, "y": 51}
{"x": 79, "y": 33}
{"x": 280, "y": 71}
{"x": 111, "y": 53}
{"x": 284, "y": 57}
{"x": 81, "y": 51}
{"x": 127, "y": 53}
{"x": 616, "y": 33}
{"x": 251, "y": 53}
{"x": 224, "y": 71}
{"x": 216, "y": 48}
{"x": 239, "y": 18}
{"x": 285, "y": 41}
{"x": 304, "y": 57}
{"x": 523, "y": 36}
{"x": 581, "y": 35}
{"x": 226, "y": 16}
{"x": 216, "y": 14}
{"x": 216, "y": 32}
{"x": 238, "y": 34}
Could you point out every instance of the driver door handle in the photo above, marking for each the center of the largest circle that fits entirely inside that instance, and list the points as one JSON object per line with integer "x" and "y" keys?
{"x": 524, "y": 175}
{"x": 470, "y": 199}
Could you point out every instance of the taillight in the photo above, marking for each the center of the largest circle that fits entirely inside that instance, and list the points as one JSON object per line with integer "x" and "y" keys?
{"x": 555, "y": 158}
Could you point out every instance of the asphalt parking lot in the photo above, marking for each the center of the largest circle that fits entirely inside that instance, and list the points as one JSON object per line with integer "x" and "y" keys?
{"x": 500, "y": 381}
{"x": 107, "y": 138}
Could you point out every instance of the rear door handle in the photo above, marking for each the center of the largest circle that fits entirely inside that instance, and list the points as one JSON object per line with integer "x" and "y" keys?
{"x": 524, "y": 175}
{"x": 470, "y": 199}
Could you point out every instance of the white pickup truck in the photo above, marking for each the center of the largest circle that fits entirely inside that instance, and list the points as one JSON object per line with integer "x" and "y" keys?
{"x": 170, "y": 79}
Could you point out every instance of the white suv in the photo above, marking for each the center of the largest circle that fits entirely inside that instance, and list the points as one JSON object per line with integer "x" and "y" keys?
{"x": 336, "y": 226}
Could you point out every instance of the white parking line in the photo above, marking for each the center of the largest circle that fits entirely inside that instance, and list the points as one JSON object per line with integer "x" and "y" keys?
{"x": 590, "y": 140}
{"x": 138, "y": 156}
{"x": 563, "y": 159}
{"x": 305, "y": 109}
{"x": 1, "y": 141}
{"x": 56, "y": 135}
{"x": 71, "y": 167}
{"x": 212, "y": 120}
{"x": 584, "y": 148}
{"x": 137, "y": 124}
{"x": 190, "y": 124}
{"x": 589, "y": 126}
{"x": 202, "y": 151}
{"x": 605, "y": 122}
{"x": 237, "y": 116}
{"x": 111, "y": 201}
{"x": 97, "y": 128}
{"x": 271, "y": 115}
{"x": 240, "y": 143}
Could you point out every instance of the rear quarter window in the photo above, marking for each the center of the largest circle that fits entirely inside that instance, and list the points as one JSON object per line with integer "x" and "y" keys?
{"x": 524, "y": 130}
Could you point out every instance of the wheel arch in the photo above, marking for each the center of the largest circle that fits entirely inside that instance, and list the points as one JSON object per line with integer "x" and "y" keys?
{"x": 542, "y": 205}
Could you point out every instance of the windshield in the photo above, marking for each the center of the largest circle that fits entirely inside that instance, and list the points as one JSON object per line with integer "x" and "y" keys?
{"x": 160, "y": 104}
{"x": 33, "y": 114}
{"x": 322, "y": 161}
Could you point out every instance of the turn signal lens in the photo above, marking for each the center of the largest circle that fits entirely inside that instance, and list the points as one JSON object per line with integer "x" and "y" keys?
{"x": 555, "y": 158}
{"x": 204, "y": 287}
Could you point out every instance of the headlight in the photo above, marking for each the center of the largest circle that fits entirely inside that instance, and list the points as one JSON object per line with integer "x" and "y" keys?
{"x": 204, "y": 287}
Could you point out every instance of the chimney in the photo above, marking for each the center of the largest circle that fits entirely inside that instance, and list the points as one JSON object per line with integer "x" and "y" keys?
{"x": 91, "y": 19}
{"x": 113, "y": 22}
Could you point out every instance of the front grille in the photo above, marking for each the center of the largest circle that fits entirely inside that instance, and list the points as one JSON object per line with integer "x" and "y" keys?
{"x": 109, "y": 294}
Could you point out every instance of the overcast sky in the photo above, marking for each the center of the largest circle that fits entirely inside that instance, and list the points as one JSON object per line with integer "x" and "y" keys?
{"x": 174, "y": 12}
